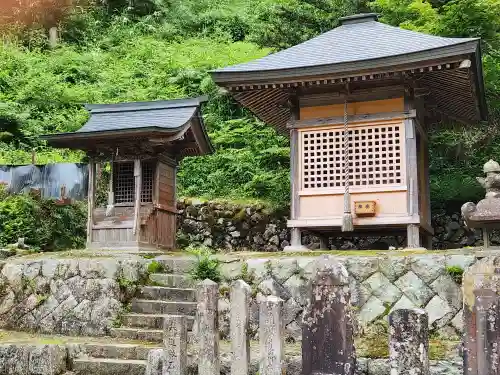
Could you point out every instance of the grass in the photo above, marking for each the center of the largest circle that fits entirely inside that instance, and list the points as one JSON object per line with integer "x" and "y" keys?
{"x": 378, "y": 348}
{"x": 246, "y": 202}
{"x": 84, "y": 253}
{"x": 14, "y": 337}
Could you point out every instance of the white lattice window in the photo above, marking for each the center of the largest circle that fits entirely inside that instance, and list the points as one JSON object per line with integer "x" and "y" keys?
{"x": 376, "y": 156}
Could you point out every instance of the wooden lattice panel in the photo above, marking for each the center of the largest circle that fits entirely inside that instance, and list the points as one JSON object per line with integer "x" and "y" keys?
{"x": 376, "y": 157}
{"x": 147, "y": 182}
{"x": 124, "y": 182}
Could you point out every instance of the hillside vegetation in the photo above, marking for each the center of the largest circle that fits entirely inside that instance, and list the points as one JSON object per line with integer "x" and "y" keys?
{"x": 127, "y": 50}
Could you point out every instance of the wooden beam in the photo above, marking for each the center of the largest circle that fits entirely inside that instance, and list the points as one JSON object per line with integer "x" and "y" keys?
{"x": 339, "y": 120}
{"x": 91, "y": 193}
{"x": 164, "y": 207}
{"x": 327, "y": 97}
{"x": 138, "y": 189}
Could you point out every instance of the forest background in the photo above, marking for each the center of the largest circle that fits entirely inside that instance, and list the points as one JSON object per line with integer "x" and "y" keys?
{"x": 134, "y": 50}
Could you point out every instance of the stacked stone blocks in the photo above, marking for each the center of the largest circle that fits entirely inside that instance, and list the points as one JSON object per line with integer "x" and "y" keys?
{"x": 379, "y": 285}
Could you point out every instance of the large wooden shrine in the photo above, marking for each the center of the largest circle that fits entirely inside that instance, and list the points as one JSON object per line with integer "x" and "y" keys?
{"x": 143, "y": 143}
{"x": 357, "y": 103}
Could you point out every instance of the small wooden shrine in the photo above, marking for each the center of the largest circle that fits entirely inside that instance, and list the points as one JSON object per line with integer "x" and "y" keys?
{"x": 143, "y": 143}
{"x": 357, "y": 103}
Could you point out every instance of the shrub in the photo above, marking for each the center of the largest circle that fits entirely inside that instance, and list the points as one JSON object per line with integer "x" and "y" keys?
{"x": 206, "y": 266}
{"x": 456, "y": 273}
{"x": 155, "y": 267}
{"x": 44, "y": 224}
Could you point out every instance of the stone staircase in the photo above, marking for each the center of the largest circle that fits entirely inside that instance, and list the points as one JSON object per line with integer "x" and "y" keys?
{"x": 169, "y": 294}
{"x": 112, "y": 359}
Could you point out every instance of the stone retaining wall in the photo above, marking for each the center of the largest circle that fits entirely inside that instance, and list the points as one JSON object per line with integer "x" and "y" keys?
{"x": 379, "y": 284}
{"x": 69, "y": 296}
{"x": 237, "y": 227}
{"x": 25, "y": 359}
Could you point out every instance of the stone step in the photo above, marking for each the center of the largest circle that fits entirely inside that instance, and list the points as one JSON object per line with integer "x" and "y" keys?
{"x": 151, "y": 321}
{"x": 118, "y": 351}
{"x": 176, "y": 265}
{"x": 145, "y": 306}
{"x": 165, "y": 293}
{"x": 149, "y": 335}
{"x": 173, "y": 281}
{"x": 133, "y": 333}
{"x": 108, "y": 366}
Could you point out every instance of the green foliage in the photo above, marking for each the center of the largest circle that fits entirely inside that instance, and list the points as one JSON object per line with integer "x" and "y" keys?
{"x": 268, "y": 267}
{"x": 41, "y": 298}
{"x": 418, "y": 15}
{"x": 471, "y": 18}
{"x": 128, "y": 287}
{"x": 155, "y": 267}
{"x": 206, "y": 266}
{"x": 251, "y": 161}
{"x": 284, "y": 23}
{"x": 125, "y": 50}
{"x": 44, "y": 224}
{"x": 246, "y": 275}
{"x": 456, "y": 272}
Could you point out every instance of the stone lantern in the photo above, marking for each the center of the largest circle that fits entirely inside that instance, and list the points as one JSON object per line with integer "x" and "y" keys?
{"x": 486, "y": 214}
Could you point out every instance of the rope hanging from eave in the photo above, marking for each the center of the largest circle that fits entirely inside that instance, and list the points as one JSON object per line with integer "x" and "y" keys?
{"x": 347, "y": 222}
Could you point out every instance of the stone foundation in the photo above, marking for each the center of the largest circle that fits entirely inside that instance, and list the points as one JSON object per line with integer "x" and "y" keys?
{"x": 234, "y": 227}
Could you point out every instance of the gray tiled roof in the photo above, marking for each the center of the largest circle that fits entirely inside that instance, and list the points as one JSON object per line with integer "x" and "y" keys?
{"x": 167, "y": 114}
{"x": 160, "y": 118}
{"x": 364, "y": 39}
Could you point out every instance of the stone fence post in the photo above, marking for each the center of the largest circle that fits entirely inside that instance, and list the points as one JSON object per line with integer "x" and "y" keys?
{"x": 409, "y": 342}
{"x": 207, "y": 320}
{"x": 271, "y": 336}
{"x": 481, "y": 290}
{"x": 327, "y": 330}
{"x": 175, "y": 342}
{"x": 155, "y": 361}
{"x": 240, "y": 319}
{"x": 486, "y": 337}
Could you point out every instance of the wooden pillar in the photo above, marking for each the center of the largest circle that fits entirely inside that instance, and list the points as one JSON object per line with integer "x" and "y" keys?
{"x": 156, "y": 190}
{"x": 413, "y": 232}
{"x": 91, "y": 197}
{"x": 111, "y": 193}
{"x": 138, "y": 189}
{"x": 294, "y": 176}
{"x": 296, "y": 235}
{"x": 412, "y": 236}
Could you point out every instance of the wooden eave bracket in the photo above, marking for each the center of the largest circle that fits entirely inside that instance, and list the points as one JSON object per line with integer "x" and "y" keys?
{"x": 298, "y": 124}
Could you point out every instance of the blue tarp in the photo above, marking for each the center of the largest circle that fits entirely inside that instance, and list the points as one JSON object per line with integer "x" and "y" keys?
{"x": 48, "y": 179}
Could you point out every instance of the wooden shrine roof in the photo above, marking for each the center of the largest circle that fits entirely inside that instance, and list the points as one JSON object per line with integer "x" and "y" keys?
{"x": 157, "y": 123}
{"x": 363, "y": 49}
